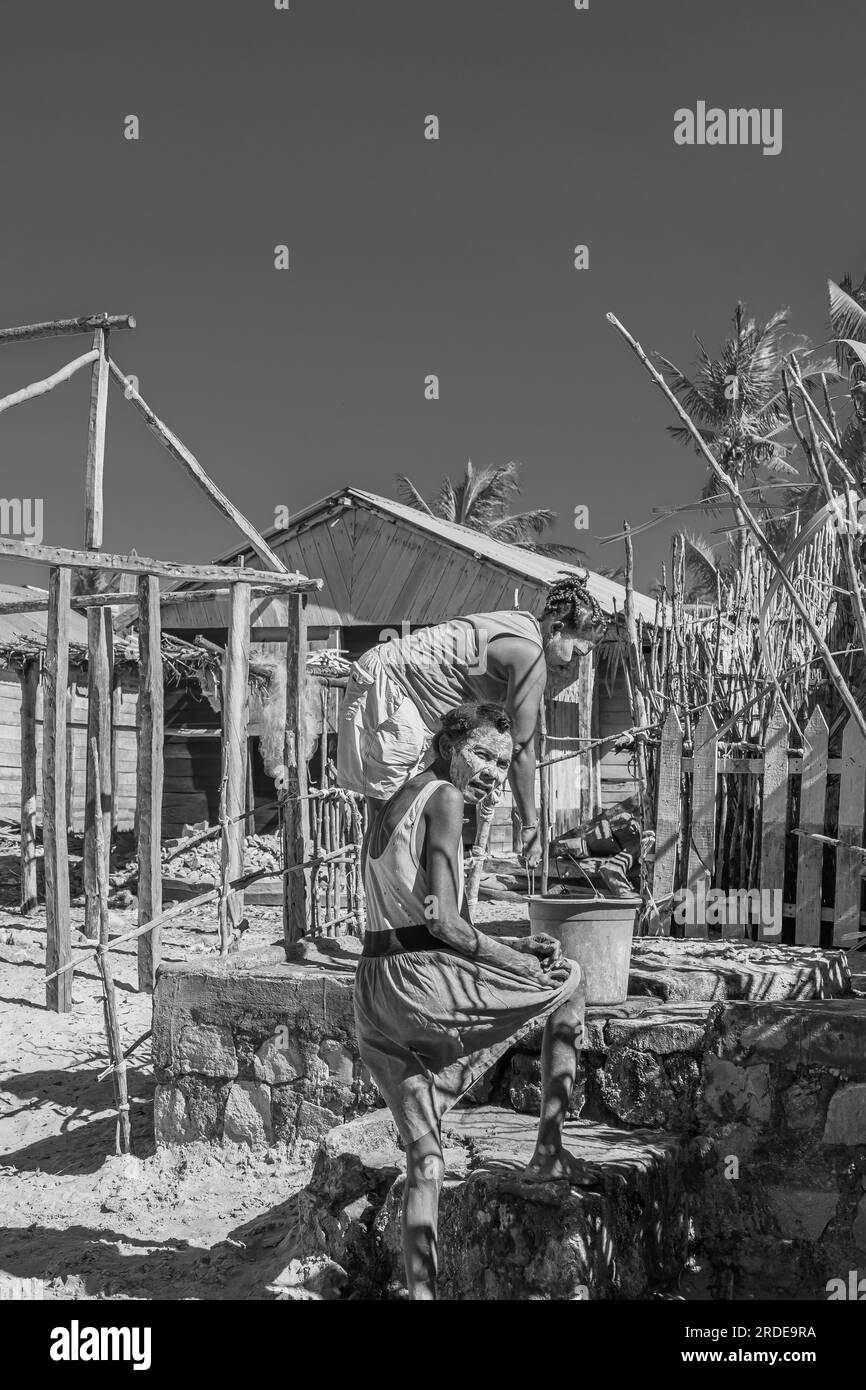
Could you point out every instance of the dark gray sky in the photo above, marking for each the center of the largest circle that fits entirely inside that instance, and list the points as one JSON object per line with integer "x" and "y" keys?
{"x": 408, "y": 257}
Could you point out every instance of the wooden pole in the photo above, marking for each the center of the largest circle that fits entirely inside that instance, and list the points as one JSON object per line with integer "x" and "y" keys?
{"x": 635, "y": 664}
{"x": 93, "y": 490}
{"x": 40, "y": 388}
{"x": 295, "y": 811}
{"x": 56, "y": 327}
{"x": 112, "y": 1027}
{"x": 98, "y": 802}
{"x": 149, "y": 777}
{"x": 141, "y": 564}
{"x": 39, "y": 604}
{"x": 58, "y": 950}
{"x": 29, "y": 695}
{"x": 235, "y": 719}
{"x": 194, "y": 470}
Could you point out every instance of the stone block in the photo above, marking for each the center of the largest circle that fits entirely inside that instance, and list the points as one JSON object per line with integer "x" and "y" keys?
{"x": 339, "y": 1060}
{"x": 827, "y": 1033}
{"x": 846, "y": 1117}
{"x": 741, "y": 1093}
{"x": 643, "y": 1089}
{"x": 247, "y": 1117}
{"x": 314, "y": 1121}
{"x": 804, "y": 1102}
{"x": 279, "y": 1059}
{"x": 802, "y": 1214}
{"x": 207, "y": 1049}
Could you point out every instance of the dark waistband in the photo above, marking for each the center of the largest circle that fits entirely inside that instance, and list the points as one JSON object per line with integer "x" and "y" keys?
{"x": 401, "y": 939}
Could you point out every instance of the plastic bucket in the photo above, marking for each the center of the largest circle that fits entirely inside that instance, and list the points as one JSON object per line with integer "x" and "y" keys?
{"x": 597, "y": 933}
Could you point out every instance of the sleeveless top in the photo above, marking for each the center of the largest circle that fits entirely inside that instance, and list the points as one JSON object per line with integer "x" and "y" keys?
{"x": 445, "y": 665}
{"x": 395, "y": 883}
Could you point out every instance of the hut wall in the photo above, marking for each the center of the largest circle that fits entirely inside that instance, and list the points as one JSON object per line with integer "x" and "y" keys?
{"x": 76, "y": 745}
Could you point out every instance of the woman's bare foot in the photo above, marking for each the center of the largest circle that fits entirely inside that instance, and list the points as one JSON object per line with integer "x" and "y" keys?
{"x": 561, "y": 1167}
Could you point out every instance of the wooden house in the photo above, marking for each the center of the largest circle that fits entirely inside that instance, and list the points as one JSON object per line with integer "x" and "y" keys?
{"x": 388, "y": 568}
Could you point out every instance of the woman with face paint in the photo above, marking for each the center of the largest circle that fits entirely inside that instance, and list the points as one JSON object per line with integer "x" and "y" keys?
{"x": 400, "y": 690}
{"x": 437, "y": 1002}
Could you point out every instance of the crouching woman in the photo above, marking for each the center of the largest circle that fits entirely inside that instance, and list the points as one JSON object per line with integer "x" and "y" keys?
{"x": 437, "y": 1002}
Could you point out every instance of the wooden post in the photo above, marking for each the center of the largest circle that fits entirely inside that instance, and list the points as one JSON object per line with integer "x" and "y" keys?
{"x": 109, "y": 1002}
{"x": 234, "y": 763}
{"x": 29, "y": 695}
{"x": 849, "y": 859}
{"x": 703, "y": 831}
{"x": 149, "y": 777}
{"x": 810, "y": 853}
{"x": 97, "y": 799}
{"x": 774, "y": 805}
{"x": 295, "y": 810}
{"x": 668, "y": 807}
{"x": 58, "y": 950}
{"x": 93, "y": 500}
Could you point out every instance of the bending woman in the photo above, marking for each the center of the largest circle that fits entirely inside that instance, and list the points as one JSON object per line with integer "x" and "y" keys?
{"x": 437, "y": 1002}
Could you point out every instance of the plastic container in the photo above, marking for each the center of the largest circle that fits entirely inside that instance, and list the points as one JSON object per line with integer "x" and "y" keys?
{"x": 597, "y": 933}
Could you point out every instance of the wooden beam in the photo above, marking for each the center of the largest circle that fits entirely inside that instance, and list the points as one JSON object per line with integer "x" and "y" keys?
{"x": 40, "y": 388}
{"x": 58, "y": 949}
{"x": 38, "y": 604}
{"x": 98, "y": 800}
{"x": 149, "y": 778}
{"x": 29, "y": 695}
{"x": 295, "y": 810}
{"x": 93, "y": 498}
{"x": 194, "y": 470}
{"x": 141, "y": 564}
{"x": 234, "y": 765}
{"x": 56, "y": 327}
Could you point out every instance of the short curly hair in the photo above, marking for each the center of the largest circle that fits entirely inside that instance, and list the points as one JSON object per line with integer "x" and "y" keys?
{"x": 465, "y": 719}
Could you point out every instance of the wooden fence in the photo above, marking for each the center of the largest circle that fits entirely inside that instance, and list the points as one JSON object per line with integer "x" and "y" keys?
{"x": 788, "y": 825}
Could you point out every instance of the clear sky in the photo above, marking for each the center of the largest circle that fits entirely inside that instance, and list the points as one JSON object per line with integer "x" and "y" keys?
{"x": 305, "y": 127}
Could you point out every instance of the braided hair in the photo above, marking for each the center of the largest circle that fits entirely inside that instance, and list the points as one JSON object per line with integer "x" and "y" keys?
{"x": 570, "y": 600}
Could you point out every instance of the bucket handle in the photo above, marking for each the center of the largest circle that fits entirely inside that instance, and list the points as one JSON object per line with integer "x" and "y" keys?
{"x": 568, "y": 854}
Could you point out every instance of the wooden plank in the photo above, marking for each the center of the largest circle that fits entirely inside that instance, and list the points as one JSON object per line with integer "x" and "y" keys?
{"x": 142, "y": 564}
{"x": 810, "y": 854}
{"x": 29, "y": 695}
{"x": 848, "y": 859}
{"x": 774, "y": 807}
{"x": 97, "y": 799}
{"x": 234, "y": 768}
{"x": 58, "y": 948}
{"x": 295, "y": 809}
{"x": 149, "y": 778}
{"x": 668, "y": 809}
{"x": 702, "y": 838}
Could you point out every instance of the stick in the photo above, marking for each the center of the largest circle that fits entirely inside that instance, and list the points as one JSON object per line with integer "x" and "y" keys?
{"x": 141, "y": 564}
{"x": 58, "y": 947}
{"x": 194, "y": 470}
{"x": 56, "y": 327}
{"x": 112, "y": 1028}
{"x": 39, "y": 388}
{"x": 235, "y": 704}
{"x": 29, "y": 692}
{"x": 149, "y": 779}
{"x": 733, "y": 491}
{"x": 295, "y": 815}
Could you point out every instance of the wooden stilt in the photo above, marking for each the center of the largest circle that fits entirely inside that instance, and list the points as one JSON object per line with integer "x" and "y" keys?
{"x": 149, "y": 777}
{"x": 29, "y": 694}
{"x": 235, "y": 718}
{"x": 295, "y": 813}
{"x": 58, "y": 950}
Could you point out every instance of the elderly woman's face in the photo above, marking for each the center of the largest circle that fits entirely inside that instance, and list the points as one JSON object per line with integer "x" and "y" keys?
{"x": 479, "y": 763}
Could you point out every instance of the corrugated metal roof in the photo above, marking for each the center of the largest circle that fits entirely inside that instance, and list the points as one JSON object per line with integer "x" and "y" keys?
{"x": 523, "y": 564}
{"x": 33, "y": 627}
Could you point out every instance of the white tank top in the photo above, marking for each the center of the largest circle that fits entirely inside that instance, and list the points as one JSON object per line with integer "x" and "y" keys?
{"x": 395, "y": 883}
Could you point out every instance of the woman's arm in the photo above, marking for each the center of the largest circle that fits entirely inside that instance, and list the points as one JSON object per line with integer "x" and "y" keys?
{"x": 522, "y": 665}
{"x": 443, "y": 825}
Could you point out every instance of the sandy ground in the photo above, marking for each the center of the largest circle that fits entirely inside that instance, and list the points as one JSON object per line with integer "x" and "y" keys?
{"x": 191, "y": 1223}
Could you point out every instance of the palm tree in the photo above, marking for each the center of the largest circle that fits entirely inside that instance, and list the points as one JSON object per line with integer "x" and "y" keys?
{"x": 738, "y": 404}
{"x": 481, "y": 501}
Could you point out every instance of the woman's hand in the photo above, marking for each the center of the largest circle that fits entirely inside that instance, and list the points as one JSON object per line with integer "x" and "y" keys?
{"x": 546, "y": 961}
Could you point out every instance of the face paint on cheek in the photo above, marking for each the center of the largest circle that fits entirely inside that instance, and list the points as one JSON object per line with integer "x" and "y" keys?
{"x": 464, "y": 767}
